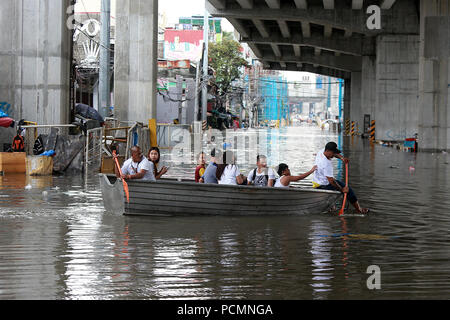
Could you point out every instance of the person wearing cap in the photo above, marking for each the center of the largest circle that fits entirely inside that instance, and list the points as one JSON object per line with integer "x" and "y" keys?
{"x": 324, "y": 178}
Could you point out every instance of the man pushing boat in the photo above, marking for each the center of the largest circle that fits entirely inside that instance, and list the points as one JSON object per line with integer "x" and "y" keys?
{"x": 324, "y": 178}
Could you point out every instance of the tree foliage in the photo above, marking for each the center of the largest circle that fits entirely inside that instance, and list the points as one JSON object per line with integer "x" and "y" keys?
{"x": 226, "y": 59}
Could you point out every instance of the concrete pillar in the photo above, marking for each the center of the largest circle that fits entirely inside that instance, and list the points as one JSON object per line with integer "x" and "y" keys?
{"x": 347, "y": 99}
{"x": 136, "y": 60}
{"x": 35, "y": 60}
{"x": 397, "y": 75}
{"x": 368, "y": 89}
{"x": 355, "y": 104}
{"x": 434, "y": 75}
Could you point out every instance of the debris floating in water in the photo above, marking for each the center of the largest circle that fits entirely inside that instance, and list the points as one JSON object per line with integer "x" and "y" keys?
{"x": 28, "y": 187}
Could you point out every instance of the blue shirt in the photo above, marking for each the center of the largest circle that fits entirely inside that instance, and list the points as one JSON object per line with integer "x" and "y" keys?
{"x": 210, "y": 174}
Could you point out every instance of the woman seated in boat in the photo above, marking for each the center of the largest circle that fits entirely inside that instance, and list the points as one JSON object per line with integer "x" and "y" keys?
{"x": 137, "y": 167}
{"x": 200, "y": 170}
{"x": 228, "y": 172}
{"x": 286, "y": 178}
{"x": 154, "y": 156}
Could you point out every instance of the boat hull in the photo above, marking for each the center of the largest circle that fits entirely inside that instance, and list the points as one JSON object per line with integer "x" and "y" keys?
{"x": 188, "y": 198}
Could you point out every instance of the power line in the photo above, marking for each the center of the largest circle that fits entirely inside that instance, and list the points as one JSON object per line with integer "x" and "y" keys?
{"x": 288, "y": 82}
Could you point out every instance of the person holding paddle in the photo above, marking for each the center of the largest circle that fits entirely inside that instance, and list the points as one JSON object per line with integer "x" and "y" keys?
{"x": 324, "y": 178}
{"x": 137, "y": 167}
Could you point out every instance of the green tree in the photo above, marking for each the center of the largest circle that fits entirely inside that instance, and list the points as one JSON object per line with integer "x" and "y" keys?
{"x": 226, "y": 59}
{"x": 227, "y": 35}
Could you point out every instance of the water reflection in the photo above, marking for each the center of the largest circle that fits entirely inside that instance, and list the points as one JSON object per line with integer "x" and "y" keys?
{"x": 322, "y": 265}
{"x": 57, "y": 242}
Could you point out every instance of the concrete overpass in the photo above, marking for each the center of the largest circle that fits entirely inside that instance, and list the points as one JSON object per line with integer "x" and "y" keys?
{"x": 398, "y": 73}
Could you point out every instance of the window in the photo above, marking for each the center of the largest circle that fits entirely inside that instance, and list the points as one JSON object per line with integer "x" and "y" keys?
{"x": 319, "y": 84}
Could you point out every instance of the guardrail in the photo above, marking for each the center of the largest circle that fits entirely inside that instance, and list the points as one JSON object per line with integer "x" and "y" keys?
{"x": 93, "y": 149}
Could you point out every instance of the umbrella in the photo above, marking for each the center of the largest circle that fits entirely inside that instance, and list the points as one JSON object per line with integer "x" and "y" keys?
{"x": 6, "y": 122}
{"x": 88, "y": 112}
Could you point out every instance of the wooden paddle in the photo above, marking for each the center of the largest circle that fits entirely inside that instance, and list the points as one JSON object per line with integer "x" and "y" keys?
{"x": 125, "y": 184}
{"x": 345, "y": 194}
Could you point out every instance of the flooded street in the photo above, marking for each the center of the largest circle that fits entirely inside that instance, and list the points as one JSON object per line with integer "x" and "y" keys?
{"x": 57, "y": 241}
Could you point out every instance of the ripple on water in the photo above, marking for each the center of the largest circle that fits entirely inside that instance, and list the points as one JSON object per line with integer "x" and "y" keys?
{"x": 57, "y": 242}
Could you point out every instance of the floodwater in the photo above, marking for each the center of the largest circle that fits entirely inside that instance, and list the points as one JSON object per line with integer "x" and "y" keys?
{"x": 57, "y": 241}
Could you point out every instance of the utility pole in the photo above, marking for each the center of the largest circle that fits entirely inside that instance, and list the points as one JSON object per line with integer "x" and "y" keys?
{"x": 197, "y": 93}
{"x": 105, "y": 59}
{"x": 205, "y": 65}
{"x": 179, "y": 80}
{"x": 340, "y": 104}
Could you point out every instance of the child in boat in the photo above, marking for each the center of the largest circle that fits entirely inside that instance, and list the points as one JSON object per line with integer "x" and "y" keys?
{"x": 286, "y": 178}
{"x": 154, "y": 156}
{"x": 200, "y": 170}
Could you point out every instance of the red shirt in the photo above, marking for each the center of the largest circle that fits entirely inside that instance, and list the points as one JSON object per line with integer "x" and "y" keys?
{"x": 199, "y": 171}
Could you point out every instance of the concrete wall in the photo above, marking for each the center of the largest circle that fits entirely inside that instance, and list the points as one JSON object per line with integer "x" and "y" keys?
{"x": 355, "y": 101}
{"x": 347, "y": 100}
{"x": 35, "y": 60}
{"x": 6, "y": 136}
{"x": 434, "y": 124}
{"x": 168, "y": 110}
{"x": 397, "y": 87}
{"x": 368, "y": 90}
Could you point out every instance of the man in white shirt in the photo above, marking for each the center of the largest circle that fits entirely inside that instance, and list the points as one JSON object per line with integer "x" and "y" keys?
{"x": 324, "y": 178}
{"x": 137, "y": 167}
{"x": 261, "y": 176}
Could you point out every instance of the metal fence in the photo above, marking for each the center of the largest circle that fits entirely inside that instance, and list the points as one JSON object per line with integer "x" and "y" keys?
{"x": 138, "y": 135}
{"x": 33, "y": 131}
{"x": 93, "y": 150}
